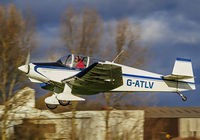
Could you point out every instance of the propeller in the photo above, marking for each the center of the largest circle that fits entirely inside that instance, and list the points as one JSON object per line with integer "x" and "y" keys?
{"x": 27, "y": 58}
{"x": 25, "y": 68}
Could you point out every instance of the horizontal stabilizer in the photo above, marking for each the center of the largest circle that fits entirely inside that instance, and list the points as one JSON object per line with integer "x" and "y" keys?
{"x": 176, "y": 77}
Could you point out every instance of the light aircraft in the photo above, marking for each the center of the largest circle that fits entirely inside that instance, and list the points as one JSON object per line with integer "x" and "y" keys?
{"x": 67, "y": 80}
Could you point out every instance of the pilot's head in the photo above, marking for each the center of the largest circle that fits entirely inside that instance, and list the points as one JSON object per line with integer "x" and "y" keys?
{"x": 77, "y": 58}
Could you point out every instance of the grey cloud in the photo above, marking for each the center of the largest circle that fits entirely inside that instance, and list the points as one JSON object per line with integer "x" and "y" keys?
{"x": 162, "y": 28}
{"x": 50, "y": 10}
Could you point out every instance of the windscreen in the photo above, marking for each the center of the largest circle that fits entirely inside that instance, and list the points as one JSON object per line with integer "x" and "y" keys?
{"x": 66, "y": 60}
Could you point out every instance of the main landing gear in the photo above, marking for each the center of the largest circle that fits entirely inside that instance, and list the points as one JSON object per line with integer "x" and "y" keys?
{"x": 61, "y": 102}
{"x": 182, "y": 96}
{"x": 63, "y": 98}
{"x": 64, "y": 102}
{"x": 51, "y": 106}
{"x": 52, "y": 102}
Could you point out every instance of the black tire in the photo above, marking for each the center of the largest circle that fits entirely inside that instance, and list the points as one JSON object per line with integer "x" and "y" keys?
{"x": 64, "y": 103}
{"x": 184, "y": 99}
{"x": 51, "y": 106}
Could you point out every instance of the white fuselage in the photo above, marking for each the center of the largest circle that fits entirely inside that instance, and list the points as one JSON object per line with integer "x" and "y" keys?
{"x": 43, "y": 74}
{"x": 143, "y": 81}
{"x": 134, "y": 80}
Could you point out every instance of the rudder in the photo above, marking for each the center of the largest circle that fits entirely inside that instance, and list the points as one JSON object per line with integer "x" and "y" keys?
{"x": 183, "y": 67}
{"x": 184, "y": 72}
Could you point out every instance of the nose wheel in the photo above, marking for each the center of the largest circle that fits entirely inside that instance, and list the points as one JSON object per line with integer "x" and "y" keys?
{"x": 182, "y": 96}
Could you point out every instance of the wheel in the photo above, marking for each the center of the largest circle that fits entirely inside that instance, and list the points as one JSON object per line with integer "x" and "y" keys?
{"x": 184, "y": 98}
{"x": 64, "y": 102}
{"x": 51, "y": 106}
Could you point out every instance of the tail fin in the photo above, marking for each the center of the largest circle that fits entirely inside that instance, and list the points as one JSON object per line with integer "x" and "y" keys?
{"x": 183, "y": 73}
{"x": 183, "y": 67}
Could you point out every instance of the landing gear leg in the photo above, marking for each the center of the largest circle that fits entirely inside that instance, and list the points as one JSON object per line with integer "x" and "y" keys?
{"x": 182, "y": 96}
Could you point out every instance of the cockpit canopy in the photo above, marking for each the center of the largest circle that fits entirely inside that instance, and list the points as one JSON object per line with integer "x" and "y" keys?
{"x": 77, "y": 61}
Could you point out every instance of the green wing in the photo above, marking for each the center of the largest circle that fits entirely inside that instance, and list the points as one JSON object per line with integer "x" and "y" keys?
{"x": 97, "y": 78}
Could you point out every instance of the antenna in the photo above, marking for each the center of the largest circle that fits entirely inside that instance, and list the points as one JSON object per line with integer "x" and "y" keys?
{"x": 118, "y": 56}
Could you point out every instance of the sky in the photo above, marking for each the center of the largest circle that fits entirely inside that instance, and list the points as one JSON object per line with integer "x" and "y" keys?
{"x": 170, "y": 28}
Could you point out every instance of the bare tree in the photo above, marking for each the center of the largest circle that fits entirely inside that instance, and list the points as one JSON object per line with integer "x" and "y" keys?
{"x": 16, "y": 37}
{"x": 127, "y": 37}
{"x": 81, "y": 33}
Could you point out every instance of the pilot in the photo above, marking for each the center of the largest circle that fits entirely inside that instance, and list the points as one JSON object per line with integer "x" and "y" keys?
{"x": 79, "y": 62}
